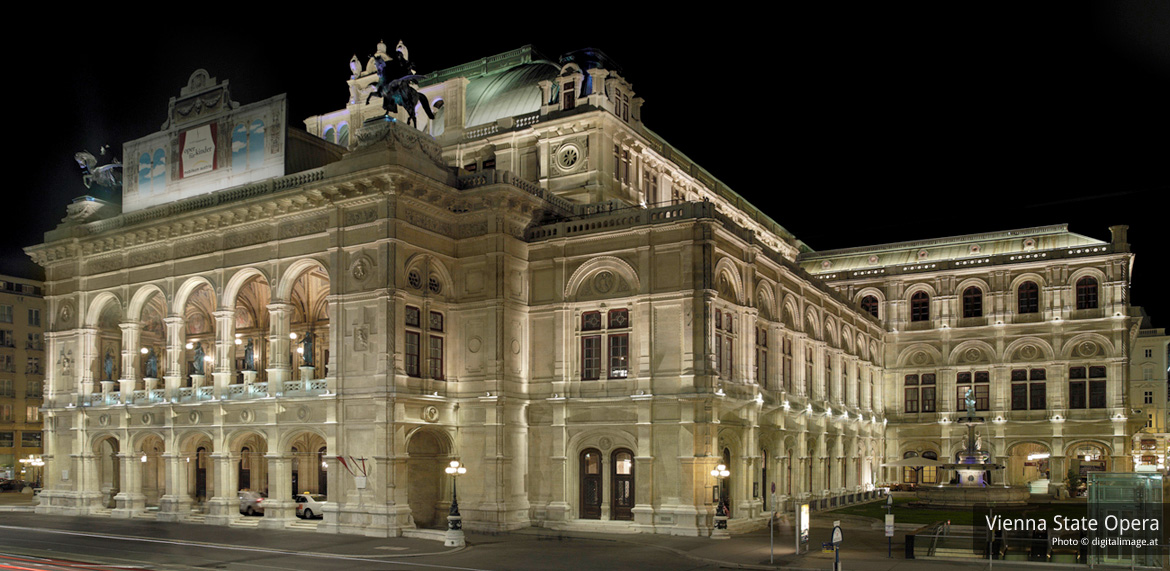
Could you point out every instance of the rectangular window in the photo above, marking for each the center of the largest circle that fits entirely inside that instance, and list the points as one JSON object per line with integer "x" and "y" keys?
{"x": 30, "y": 439}
{"x": 5, "y": 314}
{"x": 7, "y": 363}
{"x": 762, "y": 357}
{"x": 1149, "y": 397}
{"x": 1096, "y": 394}
{"x": 927, "y": 399}
{"x": 728, "y": 366}
{"x": 413, "y": 353}
{"x": 7, "y": 439}
{"x": 1019, "y": 396}
{"x": 591, "y": 321}
{"x": 619, "y": 356}
{"x": 34, "y": 317}
{"x": 591, "y": 358}
{"x": 7, "y": 339}
{"x": 6, "y": 388}
{"x": 32, "y": 414}
{"x": 568, "y": 95}
{"x": 1076, "y": 394}
{"x": 5, "y": 413}
{"x": 619, "y": 318}
{"x": 1076, "y": 373}
{"x": 1149, "y": 352}
{"x": 1096, "y": 372}
{"x": 1019, "y": 375}
{"x": 436, "y": 323}
{"x": 413, "y": 316}
{"x": 435, "y": 358}
{"x": 1039, "y": 396}
{"x": 911, "y": 399}
{"x": 34, "y": 389}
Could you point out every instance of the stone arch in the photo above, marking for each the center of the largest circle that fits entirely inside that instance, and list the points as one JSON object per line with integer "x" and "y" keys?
{"x": 877, "y": 294}
{"x": 251, "y": 467}
{"x": 305, "y": 446}
{"x": 595, "y": 265}
{"x": 917, "y": 287}
{"x": 428, "y": 451}
{"x": 909, "y": 356}
{"x": 972, "y": 352}
{"x": 1042, "y": 350}
{"x": 179, "y": 303}
{"x": 813, "y": 324}
{"x": 98, "y": 304}
{"x": 830, "y": 332}
{"x": 140, "y": 298}
{"x": 1090, "y": 272}
{"x": 282, "y": 289}
{"x": 1017, "y": 451}
{"x": 151, "y": 446}
{"x": 875, "y": 356}
{"x": 107, "y": 465}
{"x": 847, "y": 338}
{"x": 1078, "y": 342}
{"x": 232, "y": 290}
{"x": 862, "y": 347}
{"x": 788, "y": 313}
{"x": 429, "y": 266}
{"x": 725, "y": 268}
{"x": 765, "y": 301}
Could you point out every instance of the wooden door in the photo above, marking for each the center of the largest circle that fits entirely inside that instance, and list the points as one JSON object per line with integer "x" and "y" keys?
{"x": 591, "y": 484}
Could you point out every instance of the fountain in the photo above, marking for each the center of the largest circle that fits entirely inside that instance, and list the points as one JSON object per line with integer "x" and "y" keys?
{"x": 970, "y": 487}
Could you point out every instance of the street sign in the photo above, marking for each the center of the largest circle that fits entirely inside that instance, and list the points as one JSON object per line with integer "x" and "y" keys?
{"x": 837, "y": 536}
{"x": 889, "y": 525}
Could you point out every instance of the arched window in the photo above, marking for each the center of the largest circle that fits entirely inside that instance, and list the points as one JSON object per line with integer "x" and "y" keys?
{"x": 1087, "y": 293}
{"x": 920, "y": 307}
{"x": 930, "y": 473}
{"x": 245, "y": 472}
{"x": 910, "y": 473}
{"x": 1028, "y": 298}
{"x": 869, "y": 304}
{"x": 622, "y": 480}
{"x": 343, "y": 134}
{"x": 590, "y": 484}
{"x": 972, "y": 302}
{"x": 329, "y": 135}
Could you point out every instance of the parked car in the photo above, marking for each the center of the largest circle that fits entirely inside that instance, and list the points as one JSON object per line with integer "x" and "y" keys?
{"x": 310, "y": 506}
{"x": 252, "y": 503}
{"x": 13, "y": 485}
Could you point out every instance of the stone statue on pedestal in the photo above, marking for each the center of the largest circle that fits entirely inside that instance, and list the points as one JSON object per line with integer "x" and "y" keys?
{"x": 198, "y": 358}
{"x": 249, "y": 357}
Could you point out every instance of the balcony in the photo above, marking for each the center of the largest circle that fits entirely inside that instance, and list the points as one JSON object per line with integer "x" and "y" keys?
{"x": 189, "y": 395}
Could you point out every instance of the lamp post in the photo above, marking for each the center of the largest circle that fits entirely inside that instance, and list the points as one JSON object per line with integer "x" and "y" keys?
{"x": 454, "y": 537}
{"x": 720, "y": 473}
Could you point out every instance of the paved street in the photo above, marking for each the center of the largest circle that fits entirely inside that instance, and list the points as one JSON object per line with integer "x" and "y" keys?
{"x": 184, "y": 547}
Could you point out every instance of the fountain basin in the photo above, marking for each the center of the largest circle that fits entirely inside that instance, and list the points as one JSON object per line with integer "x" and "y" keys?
{"x": 950, "y": 495}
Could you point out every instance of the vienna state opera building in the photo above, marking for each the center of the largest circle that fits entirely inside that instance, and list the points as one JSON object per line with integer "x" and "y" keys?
{"x": 534, "y": 283}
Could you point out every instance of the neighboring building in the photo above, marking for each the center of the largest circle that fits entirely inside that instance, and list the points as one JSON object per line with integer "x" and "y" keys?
{"x": 1036, "y": 322}
{"x": 22, "y": 374}
{"x": 1148, "y": 367}
{"x": 536, "y": 284}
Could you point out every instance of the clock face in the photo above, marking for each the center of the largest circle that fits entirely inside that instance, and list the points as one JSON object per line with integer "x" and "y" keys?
{"x": 568, "y": 156}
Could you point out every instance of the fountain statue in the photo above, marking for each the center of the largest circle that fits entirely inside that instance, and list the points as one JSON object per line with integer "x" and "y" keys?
{"x": 972, "y": 484}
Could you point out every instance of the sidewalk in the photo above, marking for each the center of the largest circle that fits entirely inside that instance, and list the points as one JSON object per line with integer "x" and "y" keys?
{"x": 17, "y": 502}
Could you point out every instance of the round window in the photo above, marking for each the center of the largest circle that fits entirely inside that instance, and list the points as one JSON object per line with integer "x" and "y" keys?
{"x": 414, "y": 279}
{"x": 434, "y": 286}
{"x": 568, "y": 156}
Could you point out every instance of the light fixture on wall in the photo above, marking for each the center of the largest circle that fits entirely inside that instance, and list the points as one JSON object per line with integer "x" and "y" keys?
{"x": 190, "y": 345}
{"x": 292, "y": 336}
{"x": 144, "y": 350}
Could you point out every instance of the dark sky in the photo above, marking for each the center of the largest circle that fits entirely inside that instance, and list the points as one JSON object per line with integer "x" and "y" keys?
{"x": 849, "y": 126}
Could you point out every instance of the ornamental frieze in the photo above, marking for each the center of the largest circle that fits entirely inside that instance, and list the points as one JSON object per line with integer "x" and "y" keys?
{"x": 362, "y": 216}
{"x": 241, "y": 239}
{"x": 423, "y": 221}
{"x": 148, "y": 257}
{"x": 105, "y": 265}
{"x": 303, "y": 227}
{"x": 196, "y": 248}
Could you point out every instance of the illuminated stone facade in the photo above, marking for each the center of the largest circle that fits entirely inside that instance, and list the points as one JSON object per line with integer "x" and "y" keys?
{"x": 533, "y": 283}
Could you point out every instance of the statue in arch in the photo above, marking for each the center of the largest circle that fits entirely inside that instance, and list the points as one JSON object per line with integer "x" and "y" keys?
{"x": 151, "y": 365}
{"x": 307, "y": 345}
{"x": 249, "y": 357}
{"x": 109, "y": 364}
{"x": 199, "y": 358}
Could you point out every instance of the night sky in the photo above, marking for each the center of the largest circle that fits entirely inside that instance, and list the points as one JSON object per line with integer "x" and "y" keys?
{"x": 848, "y": 126}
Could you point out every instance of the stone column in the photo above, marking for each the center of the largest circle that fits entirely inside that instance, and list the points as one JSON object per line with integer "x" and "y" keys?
{"x": 279, "y": 508}
{"x": 130, "y": 498}
{"x": 225, "y": 349}
{"x": 176, "y": 502}
{"x": 88, "y": 348}
{"x": 559, "y": 507}
{"x": 279, "y": 369}
{"x": 644, "y": 466}
{"x": 224, "y": 504}
{"x": 131, "y": 332}
{"x": 176, "y": 361}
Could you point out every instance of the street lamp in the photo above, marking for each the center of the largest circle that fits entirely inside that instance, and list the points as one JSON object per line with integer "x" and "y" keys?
{"x": 454, "y": 537}
{"x": 720, "y": 473}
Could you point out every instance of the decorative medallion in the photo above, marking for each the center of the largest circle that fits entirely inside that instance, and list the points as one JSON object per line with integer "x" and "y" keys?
{"x": 975, "y": 248}
{"x": 414, "y": 279}
{"x": 515, "y": 347}
{"x": 302, "y": 413}
{"x": 568, "y": 156}
{"x": 972, "y": 355}
{"x": 1028, "y": 352}
{"x": 922, "y": 254}
{"x": 826, "y": 264}
{"x": 873, "y": 260}
{"x": 474, "y": 344}
{"x": 430, "y": 414}
{"x": 104, "y": 420}
{"x": 603, "y": 282}
{"x": 193, "y": 416}
{"x": 360, "y": 270}
{"x": 1087, "y": 349}
{"x": 247, "y": 416}
{"x": 605, "y": 443}
{"x": 919, "y": 358}
{"x": 66, "y": 313}
{"x": 147, "y": 418}
{"x": 1029, "y": 244}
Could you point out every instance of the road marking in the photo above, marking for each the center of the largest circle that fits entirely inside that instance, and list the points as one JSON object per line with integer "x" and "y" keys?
{"x": 239, "y": 548}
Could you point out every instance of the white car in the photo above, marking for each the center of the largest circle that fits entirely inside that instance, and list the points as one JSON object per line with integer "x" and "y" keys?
{"x": 310, "y": 505}
{"x": 252, "y": 503}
